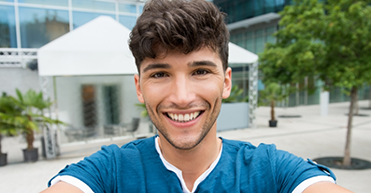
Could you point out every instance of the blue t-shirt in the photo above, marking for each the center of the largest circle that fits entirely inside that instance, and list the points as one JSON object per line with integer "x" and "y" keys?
{"x": 137, "y": 167}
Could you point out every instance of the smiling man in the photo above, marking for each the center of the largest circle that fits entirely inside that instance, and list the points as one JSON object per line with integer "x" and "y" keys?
{"x": 181, "y": 52}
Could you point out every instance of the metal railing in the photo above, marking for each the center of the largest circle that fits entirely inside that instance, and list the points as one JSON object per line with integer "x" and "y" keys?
{"x": 17, "y": 57}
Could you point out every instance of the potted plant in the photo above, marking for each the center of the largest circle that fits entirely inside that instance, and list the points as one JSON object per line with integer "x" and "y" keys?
{"x": 236, "y": 96}
{"x": 32, "y": 104}
{"x": 9, "y": 114}
{"x": 272, "y": 93}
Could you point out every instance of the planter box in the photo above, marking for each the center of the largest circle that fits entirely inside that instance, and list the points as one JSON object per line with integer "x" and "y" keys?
{"x": 233, "y": 116}
{"x": 3, "y": 159}
{"x": 31, "y": 155}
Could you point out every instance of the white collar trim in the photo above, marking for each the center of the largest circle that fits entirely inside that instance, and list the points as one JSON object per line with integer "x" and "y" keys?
{"x": 178, "y": 172}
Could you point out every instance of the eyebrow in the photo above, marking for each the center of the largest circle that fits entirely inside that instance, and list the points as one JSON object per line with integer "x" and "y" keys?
{"x": 167, "y": 66}
{"x": 202, "y": 63}
{"x": 156, "y": 66}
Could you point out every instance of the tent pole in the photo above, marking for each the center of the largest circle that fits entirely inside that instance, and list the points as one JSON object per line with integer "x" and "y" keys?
{"x": 49, "y": 142}
{"x": 253, "y": 93}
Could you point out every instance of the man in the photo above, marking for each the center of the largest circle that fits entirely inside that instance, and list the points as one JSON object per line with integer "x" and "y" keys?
{"x": 181, "y": 52}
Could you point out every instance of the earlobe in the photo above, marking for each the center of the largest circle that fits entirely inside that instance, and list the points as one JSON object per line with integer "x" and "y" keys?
{"x": 227, "y": 83}
{"x": 137, "y": 87}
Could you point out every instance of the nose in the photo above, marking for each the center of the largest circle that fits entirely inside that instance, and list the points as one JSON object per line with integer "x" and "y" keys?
{"x": 182, "y": 92}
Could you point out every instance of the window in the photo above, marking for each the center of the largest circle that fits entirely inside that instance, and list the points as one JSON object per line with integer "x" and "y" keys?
{"x": 46, "y": 2}
{"x": 80, "y": 18}
{"x": 40, "y": 26}
{"x": 127, "y": 8}
{"x": 96, "y": 5}
{"x": 128, "y": 21}
{"x": 111, "y": 104}
{"x": 260, "y": 43}
{"x": 8, "y": 38}
{"x": 89, "y": 109}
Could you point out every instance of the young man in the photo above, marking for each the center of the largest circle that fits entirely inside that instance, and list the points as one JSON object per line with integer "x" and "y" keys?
{"x": 181, "y": 52}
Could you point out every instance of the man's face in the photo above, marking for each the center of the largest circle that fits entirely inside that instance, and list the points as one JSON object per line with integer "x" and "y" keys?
{"x": 183, "y": 94}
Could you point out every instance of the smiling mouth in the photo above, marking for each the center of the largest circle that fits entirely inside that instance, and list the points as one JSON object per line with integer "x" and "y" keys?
{"x": 182, "y": 118}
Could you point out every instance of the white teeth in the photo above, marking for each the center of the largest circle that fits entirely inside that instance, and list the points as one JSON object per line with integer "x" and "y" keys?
{"x": 186, "y": 117}
{"x": 195, "y": 114}
{"x": 183, "y": 117}
{"x": 180, "y": 117}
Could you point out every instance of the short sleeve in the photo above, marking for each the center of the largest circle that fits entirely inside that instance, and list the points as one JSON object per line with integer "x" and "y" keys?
{"x": 291, "y": 170}
{"x": 96, "y": 171}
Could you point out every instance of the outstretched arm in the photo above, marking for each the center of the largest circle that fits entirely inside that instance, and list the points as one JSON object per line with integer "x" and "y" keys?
{"x": 62, "y": 187}
{"x": 325, "y": 187}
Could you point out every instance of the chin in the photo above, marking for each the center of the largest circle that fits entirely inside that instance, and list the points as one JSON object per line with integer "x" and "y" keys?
{"x": 185, "y": 142}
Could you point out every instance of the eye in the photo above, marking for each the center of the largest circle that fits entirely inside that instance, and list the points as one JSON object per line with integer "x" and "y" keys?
{"x": 158, "y": 75}
{"x": 201, "y": 72}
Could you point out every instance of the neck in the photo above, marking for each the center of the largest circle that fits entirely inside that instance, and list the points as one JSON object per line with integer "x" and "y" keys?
{"x": 195, "y": 161}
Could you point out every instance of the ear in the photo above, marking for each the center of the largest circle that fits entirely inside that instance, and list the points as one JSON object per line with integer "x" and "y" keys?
{"x": 227, "y": 83}
{"x": 137, "y": 87}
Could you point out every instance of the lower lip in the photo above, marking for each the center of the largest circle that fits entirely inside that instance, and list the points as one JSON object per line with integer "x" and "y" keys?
{"x": 184, "y": 124}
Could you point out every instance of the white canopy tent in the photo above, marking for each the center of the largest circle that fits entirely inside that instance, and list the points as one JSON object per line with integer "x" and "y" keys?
{"x": 100, "y": 47}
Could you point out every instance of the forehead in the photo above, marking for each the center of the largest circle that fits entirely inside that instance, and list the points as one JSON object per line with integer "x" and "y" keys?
{"x": 178, "y": 59}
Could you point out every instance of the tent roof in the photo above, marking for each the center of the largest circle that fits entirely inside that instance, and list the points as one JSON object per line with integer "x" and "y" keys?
{"x": 240, "y": 55}
{"x": 100, "y": 47}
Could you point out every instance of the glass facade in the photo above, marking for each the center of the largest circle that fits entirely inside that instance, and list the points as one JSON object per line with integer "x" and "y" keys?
{"x": 39, "y": 26}
{"x": 254, "y": 40}
{"x": 34, "y": 23}
{"x": 94, "y": 5}
{"x": 8, "y": 37}
{"x": 128, "y": 21}
{"x": 238, "y": 10}
{"x": 46, "y": 2}
{"x": 127, "y": 8}
{"x": 80, "y": 18}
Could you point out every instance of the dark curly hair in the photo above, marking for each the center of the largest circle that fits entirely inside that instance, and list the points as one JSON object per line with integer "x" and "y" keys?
{"x": 179, "y": 24}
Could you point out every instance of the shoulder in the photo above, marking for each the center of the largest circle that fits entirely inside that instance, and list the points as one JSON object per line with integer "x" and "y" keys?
{"x": 247, "y": 147}
{"x": 136, "y": 145}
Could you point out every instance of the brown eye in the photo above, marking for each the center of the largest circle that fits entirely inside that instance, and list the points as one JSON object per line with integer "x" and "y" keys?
{"x": 158, "y": 75}
{"x": 201, "y": 72}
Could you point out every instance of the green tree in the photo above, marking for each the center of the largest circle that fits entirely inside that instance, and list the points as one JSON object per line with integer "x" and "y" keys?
{"x": 32, "y": 105}
{"x": 272, "y": 93}
{"x": 331, "y": 41}
{"x": 9, "y": 115}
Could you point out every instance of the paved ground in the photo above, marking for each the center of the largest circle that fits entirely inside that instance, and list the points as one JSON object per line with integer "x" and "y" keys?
{"x": 310, "y": 136}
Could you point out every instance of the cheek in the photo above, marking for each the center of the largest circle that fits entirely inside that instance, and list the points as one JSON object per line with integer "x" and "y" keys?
{"x": 153, "y": 94}
{"x": 211, "y": 90}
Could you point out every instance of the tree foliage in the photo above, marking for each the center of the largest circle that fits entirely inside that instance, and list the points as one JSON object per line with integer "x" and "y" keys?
{"x": 330, "y": 40}
{"x": 24, "y": 113}
{"x": 236, "y": 96}
{"x": 272, "y": 93}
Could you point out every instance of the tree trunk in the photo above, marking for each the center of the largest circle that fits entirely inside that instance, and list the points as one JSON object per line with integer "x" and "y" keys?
{"x": 272, "y": 110}
{"x": 369, "y": 97}
{"x": 356, "y": 106}
{"x": 30, "y": 139}
{"x": 30, "y": 136}
{"x": 353, "y": 98}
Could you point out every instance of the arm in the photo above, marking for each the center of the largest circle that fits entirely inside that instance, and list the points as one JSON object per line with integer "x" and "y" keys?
{"x": 62, "y": 187}
{"x": 325, "y": 187}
